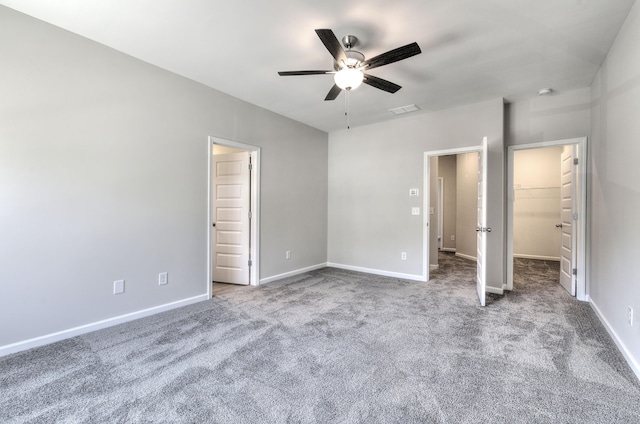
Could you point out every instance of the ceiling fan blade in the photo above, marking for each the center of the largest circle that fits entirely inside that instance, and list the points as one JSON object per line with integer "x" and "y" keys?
{"x": 380, "y": 83}
{"x": 333, "y": 93}
{"x": 391, "y": 56}
{"x": 332, "y": 44}
{"x": 290, "y": 73}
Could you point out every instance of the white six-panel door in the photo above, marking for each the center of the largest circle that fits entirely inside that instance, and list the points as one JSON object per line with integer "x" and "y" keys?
{"x": 230, "y": 232}
{"x": 568, "y": 202}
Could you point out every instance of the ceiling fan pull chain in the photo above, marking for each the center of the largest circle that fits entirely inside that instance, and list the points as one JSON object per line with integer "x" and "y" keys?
{"x": 346, "y": 108}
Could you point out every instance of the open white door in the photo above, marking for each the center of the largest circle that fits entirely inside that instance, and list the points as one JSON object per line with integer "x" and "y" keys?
{"x": 568, "y": 205}
{"x": 481, "y": 228}
{"x": 230, "y": 211}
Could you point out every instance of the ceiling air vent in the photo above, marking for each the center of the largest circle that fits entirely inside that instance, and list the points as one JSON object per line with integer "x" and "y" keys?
{"x": 404, "y": 109}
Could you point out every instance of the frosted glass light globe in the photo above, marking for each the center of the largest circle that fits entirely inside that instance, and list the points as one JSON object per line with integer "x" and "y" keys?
{"x": 348, "y": 78}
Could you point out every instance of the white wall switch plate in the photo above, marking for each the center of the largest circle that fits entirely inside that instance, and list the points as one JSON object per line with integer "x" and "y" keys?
{"x": 403, "y": 256}
{"x": 287, "y": 254}
{"x": 415, "y": 211}
{"x": 414, "y": 192}
{"x": 118, "y": 287}
{"x": 163, "y": 278}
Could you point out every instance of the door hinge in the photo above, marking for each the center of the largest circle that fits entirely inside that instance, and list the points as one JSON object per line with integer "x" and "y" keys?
{"x": 250, "y": 262}
{"x": 250, "y": 215}
{"x": 575, "y": 216}
{"x": 250, "y": 166}
{"x": 575, "y": 271}
{"x": 575, "y": 161}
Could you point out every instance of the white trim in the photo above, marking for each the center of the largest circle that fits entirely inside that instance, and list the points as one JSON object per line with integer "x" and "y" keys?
{"x": 538, "y": 257}
{"x": 403, "y": 276}
{"x": 292, "y": 273}
{"x": 98, "y": 325}
{"x": 633, "y": 362}
{"x": 581, "y": 265}
{"x": 426, "y": 203}
{"x": 209, "y": 260}
{"x": 255, "y": 210}
{"x": 433, "y": 267}
{"x": 440, "y": 186}
{"x": 254, "y": 153}
{"x": 448, "y": 249}
{"x": 494, "y": 290}
{"x": 462, "y": 255}
{"x": 426, "y": 183}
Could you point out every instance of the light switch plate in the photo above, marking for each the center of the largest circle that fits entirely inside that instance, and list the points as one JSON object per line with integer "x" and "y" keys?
{"x": 414, "y": 192}
{"x": 118, "y": 287}
{"x": 415, "y": 211}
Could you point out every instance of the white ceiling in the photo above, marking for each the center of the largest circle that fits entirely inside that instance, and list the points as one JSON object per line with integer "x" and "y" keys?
{"x": 472, "y": 50}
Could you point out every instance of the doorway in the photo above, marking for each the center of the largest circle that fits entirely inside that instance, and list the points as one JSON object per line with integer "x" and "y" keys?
{"x": 546, "y": 211}
{"x": 233, "y": 252}
{"x": 472, "y": 227}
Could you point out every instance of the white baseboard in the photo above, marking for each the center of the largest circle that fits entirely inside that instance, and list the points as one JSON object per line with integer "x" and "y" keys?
{"x": 448, "y": 249}
{"x": 87, "y": 328}
{"x": 462, "y": 255}
{"x": 633, "y": 362}
{"x": 494, "y": 290}
{"x": 292, "y": 273}
{"x": 412, "y": 277}
{"x": 542, "y": 258}
{"x": 433, "y": 267}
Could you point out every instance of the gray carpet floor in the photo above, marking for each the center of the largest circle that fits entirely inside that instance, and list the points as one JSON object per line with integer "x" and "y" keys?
{"x": 335, "y": 346}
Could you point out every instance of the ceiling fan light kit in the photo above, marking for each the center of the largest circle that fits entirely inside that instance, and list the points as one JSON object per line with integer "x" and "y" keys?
{"x": 349, "y": 66}
{"x": 348, "y": 78}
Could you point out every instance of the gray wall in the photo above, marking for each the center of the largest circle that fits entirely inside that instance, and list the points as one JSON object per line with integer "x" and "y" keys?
{"x": 372, "y": 168}
{"x": 103, "y": 176}
{"x": 433, "y": 217}
{"x": 447, "y": 170}
{"x": 467, "y": 201}
{"x": 556, "y": 117}
{"x": 615, "y": 187}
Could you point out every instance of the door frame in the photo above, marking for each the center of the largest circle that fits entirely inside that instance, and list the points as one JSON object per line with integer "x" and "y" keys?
{"x": 440, "y": 186}
{"x": 254, "y": 230}
{"x": 427, "y": 198}
{"x": 581, "y": 227}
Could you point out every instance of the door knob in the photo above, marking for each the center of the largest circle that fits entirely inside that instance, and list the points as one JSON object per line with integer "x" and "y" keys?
{"x": 558, "y": 225}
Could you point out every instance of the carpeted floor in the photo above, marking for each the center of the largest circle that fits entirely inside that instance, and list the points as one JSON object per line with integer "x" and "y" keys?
{"x": 335, "y": 346}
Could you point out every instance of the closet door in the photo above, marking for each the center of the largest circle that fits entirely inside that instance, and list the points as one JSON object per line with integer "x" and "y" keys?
{"x": 568, "y": 210}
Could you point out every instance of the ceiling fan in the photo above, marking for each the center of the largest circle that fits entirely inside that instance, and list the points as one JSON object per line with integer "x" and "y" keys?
{"x": 350, "y": 65}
